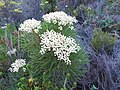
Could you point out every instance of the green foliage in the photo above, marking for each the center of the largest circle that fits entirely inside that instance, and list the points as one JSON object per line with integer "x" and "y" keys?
{"x": 80, "y": 7}
{"x": 2, "y": 3}
{"x": 51, "y": 26}
{"x": 6, "y": 34}
{"x": 48, "y": 5}
{"x": 17, "y": 10}
{"x": 103, "y": 40}
{"x": 86, "y": 10}
{"x": 14, "y": 3}
{"x": 3, "y": 55}
{"x": 6, "y": 38}
{"x": 86, "y": 13}
{"x": 44, "y": 5}
{"x": 33, "y": 83}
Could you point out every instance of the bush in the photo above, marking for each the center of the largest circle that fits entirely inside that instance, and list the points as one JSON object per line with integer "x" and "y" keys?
{"x": 55, "y": 70}
{"x": 103, "y": 40}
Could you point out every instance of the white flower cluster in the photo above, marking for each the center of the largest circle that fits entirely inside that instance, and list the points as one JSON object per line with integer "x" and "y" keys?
{"x": 29, "y": 25}
{"x": 17, "y": 64}
{"x": 13, "y": 51}
{"x": 61, "y": 45}
{"x": 59, "y": 17}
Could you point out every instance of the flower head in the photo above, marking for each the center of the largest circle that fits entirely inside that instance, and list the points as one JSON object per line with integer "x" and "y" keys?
{"x": 59, "y": 17}
{"x": 29, "y": 25}
{"x": 17, "y": 65}
{"x": 61, "y": 45}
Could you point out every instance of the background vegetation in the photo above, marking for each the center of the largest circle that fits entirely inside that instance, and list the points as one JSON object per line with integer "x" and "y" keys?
{"x": 98, "y": 32}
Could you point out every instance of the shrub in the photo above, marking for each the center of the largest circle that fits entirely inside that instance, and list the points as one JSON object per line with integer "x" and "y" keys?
{"x": 47, "y": 50}
{"x": 103, "y": 40}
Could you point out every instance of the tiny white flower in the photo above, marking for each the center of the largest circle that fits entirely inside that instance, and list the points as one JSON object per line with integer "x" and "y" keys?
{"x": 24, "y": 69}
{"x": 60, "y": 28}
{"x": 66, "y": 6}
{"x": 36, "y": 30}
{"x": 13, "y": 51}
{"x": 55, "y": 21}
{"x": 10, "y": 69}
{"x": 4, "y": 27}
{"x": 71, "y": 27}
{"x": 46, "y": 2}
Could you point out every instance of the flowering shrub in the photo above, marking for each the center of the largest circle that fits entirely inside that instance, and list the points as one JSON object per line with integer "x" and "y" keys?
{"x": 54, "y": 49}
{"x": 49, "y": 46}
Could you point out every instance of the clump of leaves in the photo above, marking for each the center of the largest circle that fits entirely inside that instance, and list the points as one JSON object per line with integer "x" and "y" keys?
{"x": 88, "y": 11}
{"x": 84, "y": 14}
{"x": 103, "y": 40}
{"x": 48, "y": 5}
{"x": 51, "y": 26}
{"x": 33, "y": 83}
